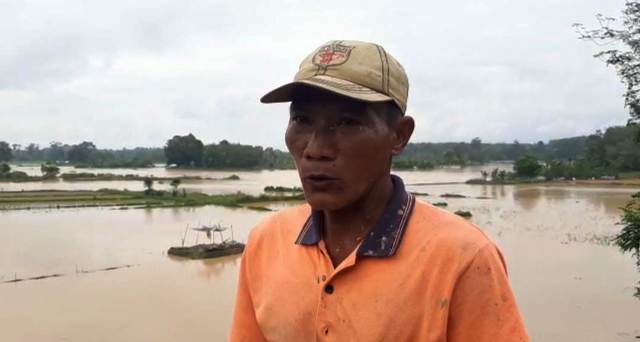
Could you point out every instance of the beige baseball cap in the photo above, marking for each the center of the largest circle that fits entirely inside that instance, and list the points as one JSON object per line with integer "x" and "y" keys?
{"x": 359, "y": 70}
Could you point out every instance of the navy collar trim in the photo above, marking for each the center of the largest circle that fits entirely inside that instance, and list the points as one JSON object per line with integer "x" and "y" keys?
{"x": 385, "y": 238}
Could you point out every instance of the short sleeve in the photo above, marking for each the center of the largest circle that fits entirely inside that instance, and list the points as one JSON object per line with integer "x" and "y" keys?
{"x": 245, "y": 326}
{"x": 483, "y": 307}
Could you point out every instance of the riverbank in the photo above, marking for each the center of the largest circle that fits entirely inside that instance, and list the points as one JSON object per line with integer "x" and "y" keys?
{"x": 21, "y": 177}
{"x": 629, "y": 182}
{"x": 25, "y": 200}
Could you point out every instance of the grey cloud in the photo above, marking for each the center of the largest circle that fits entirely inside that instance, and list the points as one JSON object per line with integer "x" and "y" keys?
{"x": 127, "y": 73}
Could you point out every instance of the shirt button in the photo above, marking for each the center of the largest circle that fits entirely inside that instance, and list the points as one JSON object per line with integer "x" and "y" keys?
{"x": 324, "y": 330}
{"x": 328, "y": 289}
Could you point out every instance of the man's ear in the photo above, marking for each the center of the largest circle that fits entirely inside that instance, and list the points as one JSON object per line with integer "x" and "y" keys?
{"x": 403, "y": 130}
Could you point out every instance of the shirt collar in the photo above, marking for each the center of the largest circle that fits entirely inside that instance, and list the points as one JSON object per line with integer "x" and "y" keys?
{"x": 384, "y": 239}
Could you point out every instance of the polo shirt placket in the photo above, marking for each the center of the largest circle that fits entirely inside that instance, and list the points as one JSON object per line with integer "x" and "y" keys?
{"x": 325, "y": 323}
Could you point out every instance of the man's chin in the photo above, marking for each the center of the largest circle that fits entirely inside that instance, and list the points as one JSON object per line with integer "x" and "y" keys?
{"x": 325, "y": 202}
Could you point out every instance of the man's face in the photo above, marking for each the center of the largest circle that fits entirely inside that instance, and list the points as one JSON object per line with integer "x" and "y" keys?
{"x": 341, "y": 148}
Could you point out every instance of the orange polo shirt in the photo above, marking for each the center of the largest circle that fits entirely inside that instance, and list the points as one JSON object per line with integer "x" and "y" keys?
{"x": 422, "y": 274}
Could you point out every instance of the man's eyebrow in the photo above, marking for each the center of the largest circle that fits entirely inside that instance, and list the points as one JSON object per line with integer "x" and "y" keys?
{"x": 295, "y": 108}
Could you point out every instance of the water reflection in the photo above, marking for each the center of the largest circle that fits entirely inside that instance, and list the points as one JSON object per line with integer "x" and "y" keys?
{"x": 527, "y": 198}
{"x": 209, "y": 269}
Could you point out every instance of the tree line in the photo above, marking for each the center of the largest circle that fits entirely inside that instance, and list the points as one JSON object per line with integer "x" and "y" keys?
{"x": 607, "y": 152}
{"x": 611, "y": 152}
{"x": 84, "y": 154}
{"x": 189, "y": 151}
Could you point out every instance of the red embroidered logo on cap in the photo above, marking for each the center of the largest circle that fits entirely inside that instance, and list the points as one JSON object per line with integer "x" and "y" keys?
{"x": 333, "y": 54}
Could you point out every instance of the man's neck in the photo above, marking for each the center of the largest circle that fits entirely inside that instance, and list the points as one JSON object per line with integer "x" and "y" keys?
{"x": 344, "y": 229}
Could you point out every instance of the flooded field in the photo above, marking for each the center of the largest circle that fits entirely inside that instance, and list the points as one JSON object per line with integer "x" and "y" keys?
{"x": 251, "y": 182}
{"x": 571, "y": 286}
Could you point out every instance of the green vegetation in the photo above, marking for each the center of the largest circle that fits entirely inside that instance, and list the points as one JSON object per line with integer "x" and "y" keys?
{"x": 440, "y": 204}
{"x": 148, "y": 185}
{"x": 271, "y": 188}
{"x": 623, "y": 53}
{"x": 463, "y": 213}
{"x": 184, "y": 151}
{"x": 258, "y": 208}
{"x": 175, "y": 183}
{"x": 6, "y": 153}
{"x": 49, "y": 171}
{"x": 527, "y": 167}
{"x": 4, "y": 168}
{"x": 87, "y": 155}
{"x": 409, "y": 164}
{"x": 629, "y": 237}
{"x": 452, "y": 196}
{"x": 606, "y": 153}
{"x": 18, "y": 176}
{"x": 188, "y": 151}
{"x": 226, "y": 155}
{"x": 115, "y": 164}
{"x": 87, "y": 177}
{"x": 613, "y": 151}
{"x": 610, "y": 155}
{"x": 6, "y": 175}
{"x": 146, "y": 199}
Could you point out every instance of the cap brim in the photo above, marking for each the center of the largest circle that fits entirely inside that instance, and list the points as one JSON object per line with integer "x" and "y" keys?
{"x": 328, "y": 83}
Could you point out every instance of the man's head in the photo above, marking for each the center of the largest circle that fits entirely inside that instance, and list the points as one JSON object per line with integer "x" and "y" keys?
{"x": 343, "y": 134}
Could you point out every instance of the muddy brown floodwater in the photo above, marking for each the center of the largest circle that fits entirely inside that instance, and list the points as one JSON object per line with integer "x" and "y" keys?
{"x": 570, "y": 285}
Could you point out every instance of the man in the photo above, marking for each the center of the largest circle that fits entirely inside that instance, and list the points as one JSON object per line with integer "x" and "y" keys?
{"x": 364, "y": 260}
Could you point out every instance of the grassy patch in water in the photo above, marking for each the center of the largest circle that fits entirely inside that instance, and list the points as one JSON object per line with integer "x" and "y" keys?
{"x": 107, "y": 197}
{"x": 463, "y": 213}
{"x": 271, "y": 188}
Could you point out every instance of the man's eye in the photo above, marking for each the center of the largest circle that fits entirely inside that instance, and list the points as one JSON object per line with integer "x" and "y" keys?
{"x": 299, "y": 119}
{"x": 348, "y": 122}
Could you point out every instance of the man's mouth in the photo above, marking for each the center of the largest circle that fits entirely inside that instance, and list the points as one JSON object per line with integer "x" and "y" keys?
{"x": 319, "y": 179}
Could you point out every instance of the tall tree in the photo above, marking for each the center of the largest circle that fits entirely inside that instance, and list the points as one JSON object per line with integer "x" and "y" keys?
{"x": 476, "y": 150}
{"x": 624, "y": 54}
{"x": 184, "y": 150}
{"x": 629, "y": 238}
{"x": 626, "y": 61}
{"x": 55, "y": 152}
{"x": 82, "y": 152}
{"x": 6, "y": 153}
{"x": 527, "y": 166}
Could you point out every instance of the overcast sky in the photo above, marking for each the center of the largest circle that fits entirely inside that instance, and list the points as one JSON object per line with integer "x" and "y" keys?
{"x": 134, "y": 73}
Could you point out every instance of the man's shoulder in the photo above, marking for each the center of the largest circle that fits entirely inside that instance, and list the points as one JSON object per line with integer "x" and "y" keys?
{"x": 445, "y": 230}
{"x": 282, "y": 225}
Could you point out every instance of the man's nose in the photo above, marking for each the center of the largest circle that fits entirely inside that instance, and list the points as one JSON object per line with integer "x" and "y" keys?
{"x": 321, "y": 145}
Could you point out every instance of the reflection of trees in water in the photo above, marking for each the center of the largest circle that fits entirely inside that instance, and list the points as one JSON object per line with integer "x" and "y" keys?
{"x": 176, "y": 213}
{"x": 610, "y": 203}
{"x": 607, "y": 201}
{"x": 527, "y": 198}
{"x": 148, "y": 214}
{"x": 493, "y": 191}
